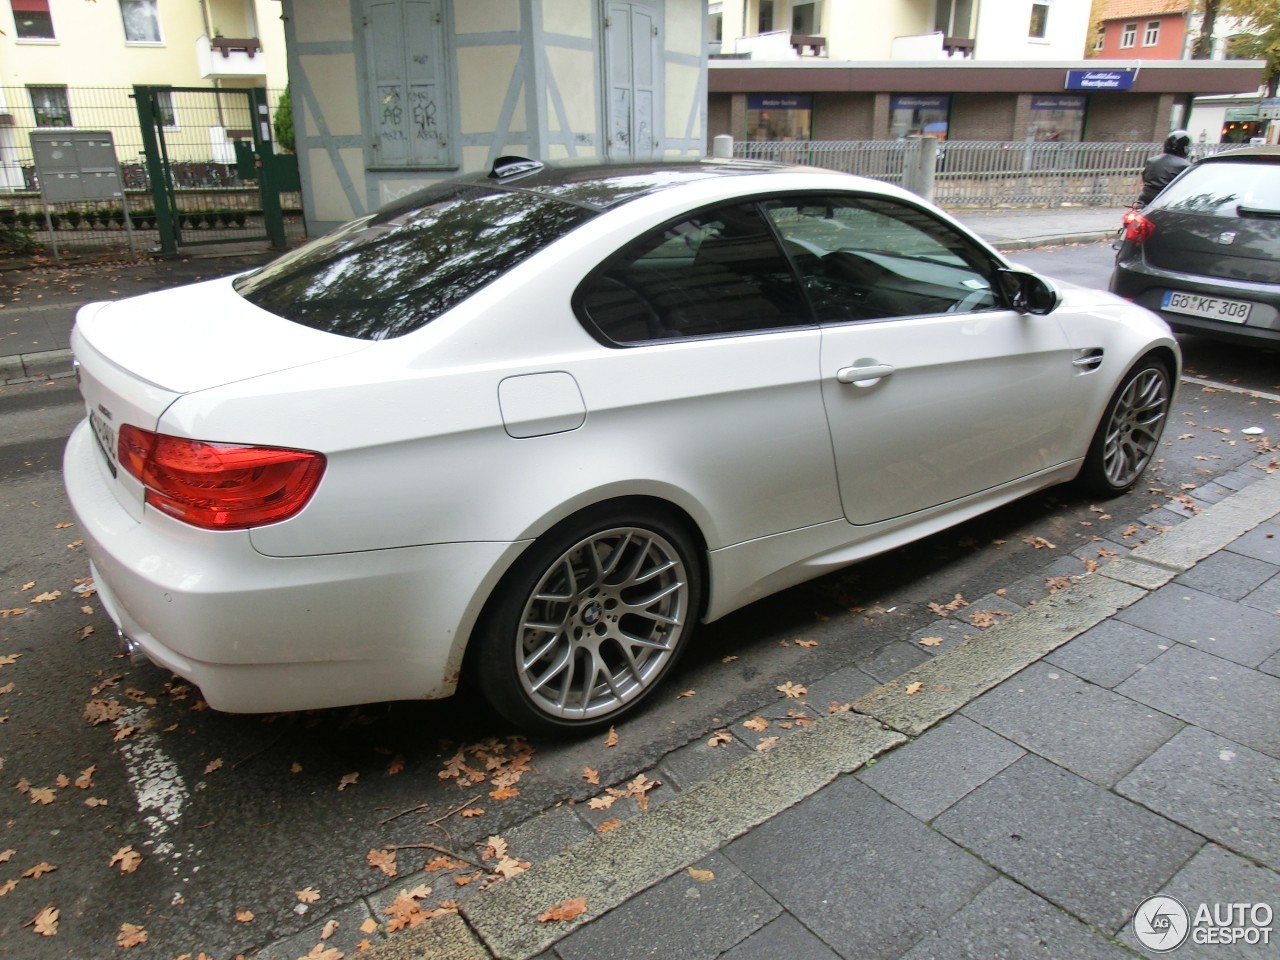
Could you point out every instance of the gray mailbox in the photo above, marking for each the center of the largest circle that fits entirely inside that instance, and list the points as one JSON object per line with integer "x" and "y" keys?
{"x": 76, "y": 165}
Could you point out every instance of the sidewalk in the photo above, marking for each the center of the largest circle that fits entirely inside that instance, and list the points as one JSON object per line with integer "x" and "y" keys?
{"x": 38, "y": 306}
{"x": 1019, "y": 795}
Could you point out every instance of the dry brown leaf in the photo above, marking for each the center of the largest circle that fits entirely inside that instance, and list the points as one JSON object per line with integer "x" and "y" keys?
{"x": 329, "y": 929}
{"x": 719, "y": 738}
{"x": 7, "y": 886}
{"x": 930, "y": 641}
{"x": 471, "y": 812}
{"x": 27, "y": 586}
{"x": 42, "y": 795}
{"x": 11, "y": 658}
{"x": 295, "y": 767}
{"x": 128, "y": 859}
{"x": 441, "y": 863}
{"x": 244, "y": 916}
{"x": 509, "y": 867}
{"x": 495, "y": 849}
{"x": 62, "y": 526}
{"x": 728, "y": 659}
{"x": 765, "y": 743}
{"x": 347, "y": 780}
{"x": 130, "y": 935}
{"x": 322, "y": 952}
{"x": 46, "y": 597}
{"x": 601, "y": 803}
{"x": 307, "y": 895}
{"x": 611, "y": 740}
{"x": 213, "y": 765}
{"x": 12, "y": 612}
{"x": 62, "y": 781}
{"x": 74, "y": 544}
{"x": 384, "y": 860}
{"x": 564, "y": 912}
{"x": 913, "y": 688}
{"x": 6, "y": 855}
{"x": 85, "y": 780}
{"x": 504, "y": 793}
{"x": 609, "y": 825}
{"x": 702, "y": 876}
{"x": 395, "y": 766}
{"x": 756, "y": 724}
{"x": 806, "y": 643}
{"x": 94, "y": 802}
{"x": 793, "y": 690}
{"x": 686, "y": 693}
{"x": 370, "y": 925}
{"x": 7, "y": 688}
{"x": 45, "y": 922}
{"x": 591, "y": 776}
{"x": 39, "y": 870}
{"x": 102, "y": 711}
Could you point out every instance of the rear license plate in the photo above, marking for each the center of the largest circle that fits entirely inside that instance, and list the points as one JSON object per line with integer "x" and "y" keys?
{"x": 1211, "y": 308}
{"x": 106, "y": 438}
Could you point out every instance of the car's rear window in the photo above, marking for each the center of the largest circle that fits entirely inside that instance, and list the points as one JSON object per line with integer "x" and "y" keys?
{"x": 1221, "y": 188}
{"x": 396, "y": 270}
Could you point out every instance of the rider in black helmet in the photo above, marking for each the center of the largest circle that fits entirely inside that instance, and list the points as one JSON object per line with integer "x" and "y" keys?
{"x": 1163, "y": 167}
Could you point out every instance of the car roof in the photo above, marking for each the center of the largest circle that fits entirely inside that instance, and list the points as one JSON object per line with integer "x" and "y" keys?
{"x": 1264, "y": 154}
{"x": 599, "y": 186}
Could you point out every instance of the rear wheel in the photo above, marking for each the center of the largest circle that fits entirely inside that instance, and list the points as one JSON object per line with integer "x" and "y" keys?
{"x": 589, "y": 621}
{"x": 1129, "y": 434}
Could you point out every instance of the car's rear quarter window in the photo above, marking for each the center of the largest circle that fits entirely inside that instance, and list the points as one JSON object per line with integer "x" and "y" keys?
{"x": 1220, "y": 188}
{"x": 395, "y": 271}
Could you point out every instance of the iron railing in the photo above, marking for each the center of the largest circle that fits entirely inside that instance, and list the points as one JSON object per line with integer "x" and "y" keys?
{"x": 203, "y": 167}
{"x": 981, "y": 173}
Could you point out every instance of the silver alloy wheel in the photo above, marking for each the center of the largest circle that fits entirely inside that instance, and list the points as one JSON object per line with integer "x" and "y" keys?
{"x": 1133, "y": 432}
{"x": 602, "y": 622}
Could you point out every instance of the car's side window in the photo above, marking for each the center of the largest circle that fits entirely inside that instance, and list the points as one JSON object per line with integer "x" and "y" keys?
{"x": 718, "y": 272}
{"x": 867, "y": 258}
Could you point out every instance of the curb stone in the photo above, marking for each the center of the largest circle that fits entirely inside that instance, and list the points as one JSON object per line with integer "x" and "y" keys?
{"x": 610, "y": 868}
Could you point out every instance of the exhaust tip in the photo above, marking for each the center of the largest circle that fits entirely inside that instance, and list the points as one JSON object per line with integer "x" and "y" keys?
{"x": 131, "y": 647}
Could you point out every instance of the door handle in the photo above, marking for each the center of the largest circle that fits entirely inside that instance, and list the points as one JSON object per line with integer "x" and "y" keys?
{"x": 867, "y": 374}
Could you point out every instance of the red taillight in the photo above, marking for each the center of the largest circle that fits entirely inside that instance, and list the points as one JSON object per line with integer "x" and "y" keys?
{"x": 219, "y": 486}
{"x": 1137, "y": 227}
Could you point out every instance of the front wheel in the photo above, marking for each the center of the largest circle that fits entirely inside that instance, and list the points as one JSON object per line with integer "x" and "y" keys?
{"x": 1129, "y": 434}
{"x": 588, "y": 621}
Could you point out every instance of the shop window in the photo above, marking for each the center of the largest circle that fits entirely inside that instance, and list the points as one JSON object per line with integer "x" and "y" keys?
{"x": 779, "y": 117}
{"x": 141, "y": 21}
{"x": 1128, "y": 36}
{"x": 1038, "y": 29}
{"x": 32, "y": 20}
{"x": 913, "y": 115}
{"x": 1058, "y": 117}
{"x": 1151, "y": 36}
{"x": 50, "y": 106}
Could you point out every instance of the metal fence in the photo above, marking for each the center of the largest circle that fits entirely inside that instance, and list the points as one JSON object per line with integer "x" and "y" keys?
{"x": 200, "y": 133}
{"x": 981, "y": 173}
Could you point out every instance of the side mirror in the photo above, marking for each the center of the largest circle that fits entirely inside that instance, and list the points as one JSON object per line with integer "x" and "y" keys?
{"x": 1028, "y": 292}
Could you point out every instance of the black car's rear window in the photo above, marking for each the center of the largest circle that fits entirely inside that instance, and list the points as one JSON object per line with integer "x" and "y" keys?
{"x": 398, "y": 269}
{"x": 1221, "y": 188}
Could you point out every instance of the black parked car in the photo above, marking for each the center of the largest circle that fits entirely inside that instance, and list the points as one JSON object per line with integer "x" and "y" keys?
{"x": 1205, "y": 254}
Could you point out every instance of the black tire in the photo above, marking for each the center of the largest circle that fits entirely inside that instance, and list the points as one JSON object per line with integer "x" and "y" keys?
{"x": 611, "y": 596}
{"x": 1129, "y": 434}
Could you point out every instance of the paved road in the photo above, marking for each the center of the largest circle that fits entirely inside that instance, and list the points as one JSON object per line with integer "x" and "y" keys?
{"x": 234, "y": 815}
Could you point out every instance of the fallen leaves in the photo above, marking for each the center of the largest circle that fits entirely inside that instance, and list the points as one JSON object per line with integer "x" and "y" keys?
{"x": 720, "y": 738}
{"x": 308, "y": 895}
{"x": 244, "y": 916}
{"x": 38, "y": 871}
{"x": 45, "y": 922}
{"x": 945, "y": 609}
{"x": 591, "y": 775}
{"x": 127, "y": 859}
{"x": 131, "y": 935}
{"x": 97, "y": 712}
{"x": 213, "y": 766}
{"x": 565, "y": 911}
{"x": 702, "y": 876}
{"x": 46, "y": 597}
{"x": 384, "y": 860}
{"x": 793, "y": 690}
{"x": 611, "y": 739}
{"x": 756, "y": 724}
{"x": 1040, "y": 543}
{"x": 930, "y": 641}
{"x": 609, "y": 825}
{"x": 913, "y": 688}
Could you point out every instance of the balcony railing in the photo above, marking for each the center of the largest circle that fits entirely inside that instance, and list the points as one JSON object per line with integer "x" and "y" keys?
{"x": 230, "y": 57}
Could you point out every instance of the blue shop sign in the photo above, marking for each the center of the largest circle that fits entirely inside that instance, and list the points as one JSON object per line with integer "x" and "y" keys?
{"x": 773, "y": 101}
{"x": 1100, "y": 79}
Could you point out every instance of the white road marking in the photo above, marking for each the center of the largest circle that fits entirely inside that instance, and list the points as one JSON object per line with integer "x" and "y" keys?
{"x": 1232, "y": 388}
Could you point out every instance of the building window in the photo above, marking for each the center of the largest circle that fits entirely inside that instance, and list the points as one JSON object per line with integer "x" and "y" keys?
{"x": 1128, "y": 36}
{"x": 779, "y": 116}
{"x": 165, "y": 112}
{"x": 1151, "y": 36}
{"x": 914, "y": 115}
{"x": 764, "y": 22}
{"x": 50, "y": 106}
{"x": 1039, "y": 26}
{"x": 31, "y": 19}
{"x": 1100, "y": 39}
{"x": 1058, "y": 117}
{"x": 408, "y": 82}
{"x": 141, "y": 21}
{"x": 806, "y": 19}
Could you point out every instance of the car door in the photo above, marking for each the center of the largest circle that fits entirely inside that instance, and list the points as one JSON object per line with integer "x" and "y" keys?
{"x": 933, "y": 389}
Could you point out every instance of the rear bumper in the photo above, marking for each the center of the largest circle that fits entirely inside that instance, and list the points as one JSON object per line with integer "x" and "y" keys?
{"x": 264, "y": 634}
{"x": 1145, "y": 285}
